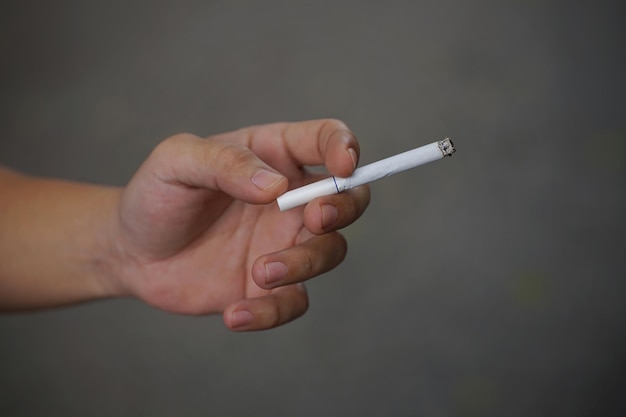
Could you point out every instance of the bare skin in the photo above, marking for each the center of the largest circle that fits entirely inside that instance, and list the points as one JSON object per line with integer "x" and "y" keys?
{"x": 196, "y": 230}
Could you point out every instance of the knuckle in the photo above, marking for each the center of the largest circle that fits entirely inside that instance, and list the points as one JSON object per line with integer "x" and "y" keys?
{"x": 334, "y": 124}
{"x": 300, "y": 299}
{"x": 172, "y": 154}
{"x": 304, "y": 306}
{"x": 341, "y": 246}
{"x": 335, "y": 128}
{"x": 308, "y": 263}
{"x": 173, "y": 144}
{"x": 183, "y": 136}
{"x": 356, "y": 204}
{"x": 274, "y": 318}
{"x": 230, "y": 155}
{"x": 362, "y": 200}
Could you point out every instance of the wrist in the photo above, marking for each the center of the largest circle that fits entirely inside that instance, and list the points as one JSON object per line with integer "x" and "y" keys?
{"x": 56, "y": 242}
{"x": 107, "y": 260}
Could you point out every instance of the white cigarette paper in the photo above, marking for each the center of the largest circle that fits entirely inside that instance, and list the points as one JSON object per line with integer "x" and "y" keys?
{"x": 368, "y": 173}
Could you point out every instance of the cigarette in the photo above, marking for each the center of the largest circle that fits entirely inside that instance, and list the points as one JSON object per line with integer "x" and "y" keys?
{"x": 366, "y": 174}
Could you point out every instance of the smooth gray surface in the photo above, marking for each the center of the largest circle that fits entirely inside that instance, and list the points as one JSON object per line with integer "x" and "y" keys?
{"x": 490, "y": 284}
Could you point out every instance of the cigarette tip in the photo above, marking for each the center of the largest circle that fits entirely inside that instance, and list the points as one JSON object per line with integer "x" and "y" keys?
{"x": 447, "y": 147}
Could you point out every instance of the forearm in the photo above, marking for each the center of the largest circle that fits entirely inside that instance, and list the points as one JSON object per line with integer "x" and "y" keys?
{"x": 55, "y": 241}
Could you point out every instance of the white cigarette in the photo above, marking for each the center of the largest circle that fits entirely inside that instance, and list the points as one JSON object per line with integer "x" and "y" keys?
{"x": 368, "y": 173}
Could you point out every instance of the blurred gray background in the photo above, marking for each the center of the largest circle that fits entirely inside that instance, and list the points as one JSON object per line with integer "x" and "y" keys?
{"x": 490, "y": 284}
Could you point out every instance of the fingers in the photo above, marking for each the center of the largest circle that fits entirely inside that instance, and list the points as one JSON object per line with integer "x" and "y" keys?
{"x": 327, "y": 142}
{"x": 218, "y": 165}
{"x": 250, "y": 164}
{"x": 289, "y": 146}
{"x": 336, "y": 211}
{"x": 299, "y": 263}
{"x": 279, "y": 307}
{"x": 281, "y": 273}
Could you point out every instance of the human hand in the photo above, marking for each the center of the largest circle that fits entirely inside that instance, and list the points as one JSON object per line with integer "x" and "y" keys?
{"x": 198, "y": 231}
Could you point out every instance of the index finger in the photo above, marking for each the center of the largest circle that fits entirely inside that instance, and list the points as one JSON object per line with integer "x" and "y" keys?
{"x": 290, "y": 146}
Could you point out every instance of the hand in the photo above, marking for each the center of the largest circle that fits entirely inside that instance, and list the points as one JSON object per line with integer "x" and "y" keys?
{"x": 199, "y": 232}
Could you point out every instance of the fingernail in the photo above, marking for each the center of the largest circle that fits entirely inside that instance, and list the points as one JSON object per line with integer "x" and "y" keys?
{"x": 355, "y": 158}
{"x": 265, "y": 179}
{"x": 274, "y": 272}
{"x": 329, "y": 215}
{"x": 241, "y": 318}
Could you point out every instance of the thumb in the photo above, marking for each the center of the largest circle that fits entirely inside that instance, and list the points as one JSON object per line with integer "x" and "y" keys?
{"x": 218, "y": 165}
